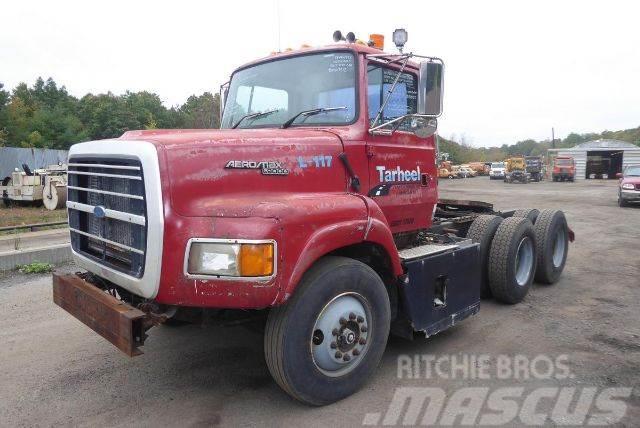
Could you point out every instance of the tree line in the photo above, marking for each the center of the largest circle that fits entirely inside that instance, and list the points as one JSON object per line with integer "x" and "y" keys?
{"x": 460, "y": 151}
{"x": 45, "y": 115}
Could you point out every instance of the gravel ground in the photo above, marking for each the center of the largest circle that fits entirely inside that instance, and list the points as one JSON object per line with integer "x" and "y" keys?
{"x": 55, "y": 371}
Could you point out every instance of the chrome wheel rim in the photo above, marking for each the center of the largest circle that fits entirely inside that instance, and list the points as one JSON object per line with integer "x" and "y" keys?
{"x": 558, "y": 247}
{"x": 524, "y": 261}
{"x": 340, "y": 336}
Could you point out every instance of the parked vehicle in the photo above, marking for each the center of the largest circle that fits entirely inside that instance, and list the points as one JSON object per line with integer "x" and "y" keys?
{"x": 535, "y": 165}
{"x": 41, "y": 186}
{"x": 497, "y": 170}
{"x": 564, "y": 169}
{"x": 516, "y": 170}
{"x": 314, "y": 215}
{"x": 629, "y": 185}
{"x": 468, "y": 171}
{"x": 480, "y": 168}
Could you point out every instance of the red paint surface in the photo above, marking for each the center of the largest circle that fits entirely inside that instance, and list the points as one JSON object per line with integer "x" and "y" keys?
{"x": 310, "y": 212}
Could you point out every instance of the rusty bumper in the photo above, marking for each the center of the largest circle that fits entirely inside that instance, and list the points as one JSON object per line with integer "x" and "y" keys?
{"x": 119, "y": 323}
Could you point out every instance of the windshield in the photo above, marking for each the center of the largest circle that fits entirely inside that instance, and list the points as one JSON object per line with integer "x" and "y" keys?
{"x": 564, "y": 162}
{"x": 293, "y": 85}
{"x": 497, "y": 165}
{"x": 632, "y": 171}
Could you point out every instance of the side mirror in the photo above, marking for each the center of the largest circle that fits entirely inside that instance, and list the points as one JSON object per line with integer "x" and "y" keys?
{"x": 431, "y": 88}
{"x": 619, "y": 175}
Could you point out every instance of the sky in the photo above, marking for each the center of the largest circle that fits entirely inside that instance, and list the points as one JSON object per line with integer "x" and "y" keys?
{"x": 514, "y": 69}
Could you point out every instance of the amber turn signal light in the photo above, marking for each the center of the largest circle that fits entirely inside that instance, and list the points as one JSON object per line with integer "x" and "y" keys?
{"x": 256, "y": 259}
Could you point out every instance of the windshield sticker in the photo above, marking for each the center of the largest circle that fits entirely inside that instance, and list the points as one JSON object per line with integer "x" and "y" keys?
{"x": 265, "y": 167}
{"x": 320, "y": 161}
{"x": 341, "y": 63}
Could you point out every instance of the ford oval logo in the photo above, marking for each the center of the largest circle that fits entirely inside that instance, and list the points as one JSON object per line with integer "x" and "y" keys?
{"x": 100, "y": 211}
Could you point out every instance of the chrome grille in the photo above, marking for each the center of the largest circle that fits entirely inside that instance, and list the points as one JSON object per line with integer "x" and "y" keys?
{"x": 107, "y": 212}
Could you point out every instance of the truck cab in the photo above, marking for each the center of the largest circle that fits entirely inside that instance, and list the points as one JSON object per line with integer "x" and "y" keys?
{"x": 314, "y": 206}
{"x": 564, "y": 168}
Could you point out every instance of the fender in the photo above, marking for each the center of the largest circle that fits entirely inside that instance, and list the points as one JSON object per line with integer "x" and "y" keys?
{"x": 379, "y": 231}
{"x": 372, "y": 227}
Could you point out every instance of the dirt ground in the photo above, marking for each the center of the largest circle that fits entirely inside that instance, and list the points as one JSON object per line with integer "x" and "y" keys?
{"x": 55, "y": 371}
{"x": 19, "y": 215}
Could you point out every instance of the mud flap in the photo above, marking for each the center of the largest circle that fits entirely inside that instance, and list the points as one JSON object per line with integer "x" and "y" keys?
{"x": 442, "y": 289}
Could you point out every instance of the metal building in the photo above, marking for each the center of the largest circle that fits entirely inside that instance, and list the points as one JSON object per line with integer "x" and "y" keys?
{"x": 13, "y": 157}
{"x": 600, "y": 158}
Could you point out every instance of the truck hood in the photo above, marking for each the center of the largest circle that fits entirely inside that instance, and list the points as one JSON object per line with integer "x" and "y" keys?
{"x": 240, "y": 172}
{"x": 631, "y": 180}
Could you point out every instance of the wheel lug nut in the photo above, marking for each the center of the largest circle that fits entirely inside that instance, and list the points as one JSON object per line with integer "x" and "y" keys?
{"x": 338, "y": 354}
{"x": 362, "y": 341}
{"x": 335, "y": 332}
{"x": 360, "y": 319}
{"x": 356, "y": 352}
{"x": 346, "y": 357}
{"x": 363, "y": 329}
{"x": 352, "y": 316}
{"x": 343, "y": 321}
{"x": 334, "y": 345}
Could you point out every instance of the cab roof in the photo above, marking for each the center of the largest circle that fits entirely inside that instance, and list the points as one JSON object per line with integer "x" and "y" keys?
{"x": 356, "y": 48}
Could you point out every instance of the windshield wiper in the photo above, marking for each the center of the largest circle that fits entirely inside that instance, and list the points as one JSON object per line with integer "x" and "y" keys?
{"x": 312, "y": 112}
{"x": 253, "y": 116}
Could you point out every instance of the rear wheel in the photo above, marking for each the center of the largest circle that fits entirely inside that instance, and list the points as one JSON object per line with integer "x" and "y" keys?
{"x": 324, "y": 343}
{"x": 482, "y": 231}
{"x": 512, "y": 260}
{"x": 530, "y": 213}
{"x": 552, "y": 237}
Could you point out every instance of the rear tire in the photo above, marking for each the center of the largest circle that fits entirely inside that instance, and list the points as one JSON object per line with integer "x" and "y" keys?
{"x": 531, "y": 214}
{"x": 482, "y": 231}
{"x": 552, "y": 237}
{"x": 340, "y": 307}
{"x": 512, "y": 260}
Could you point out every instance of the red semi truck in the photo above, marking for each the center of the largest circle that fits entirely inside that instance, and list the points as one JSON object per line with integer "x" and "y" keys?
{"x": 314, "y": 208}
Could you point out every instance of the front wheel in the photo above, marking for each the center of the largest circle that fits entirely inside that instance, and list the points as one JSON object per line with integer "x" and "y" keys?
{"x": 324, "y": 343}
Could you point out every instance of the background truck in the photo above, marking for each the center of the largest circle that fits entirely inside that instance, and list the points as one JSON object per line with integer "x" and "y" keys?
{"x": 535, "y": 165}
{"x": 516, "y": 170}
{"x": 313, "y": 212}
{"x": 564, "y": 168}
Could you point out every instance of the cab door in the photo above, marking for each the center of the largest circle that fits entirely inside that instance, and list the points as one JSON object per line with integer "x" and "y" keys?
{"x": 402, "y": 167}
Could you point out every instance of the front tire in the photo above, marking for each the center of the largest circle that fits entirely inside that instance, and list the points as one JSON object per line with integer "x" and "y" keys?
{"x": 512, "y": 260}
{"x": 324, "y": 343}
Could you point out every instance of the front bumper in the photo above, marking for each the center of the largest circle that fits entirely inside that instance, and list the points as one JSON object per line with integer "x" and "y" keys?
{"x": 121, "y": 324}
{"x": 630, "y": 195}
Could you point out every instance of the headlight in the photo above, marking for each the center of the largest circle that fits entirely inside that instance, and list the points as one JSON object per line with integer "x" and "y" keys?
{"x": 230, "y": 259}
{"x": 628, "y": 186}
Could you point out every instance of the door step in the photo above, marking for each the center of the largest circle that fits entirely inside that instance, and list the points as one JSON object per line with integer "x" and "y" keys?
{"x": 428, "y": 250}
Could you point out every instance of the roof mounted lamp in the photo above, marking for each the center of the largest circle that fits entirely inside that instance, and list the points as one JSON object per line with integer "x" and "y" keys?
{"x": 337, "y": 36}
{"x": 400, "y": 37}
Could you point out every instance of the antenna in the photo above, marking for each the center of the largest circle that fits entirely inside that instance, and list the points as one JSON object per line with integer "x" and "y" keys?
{"x": 278, "y": 19}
